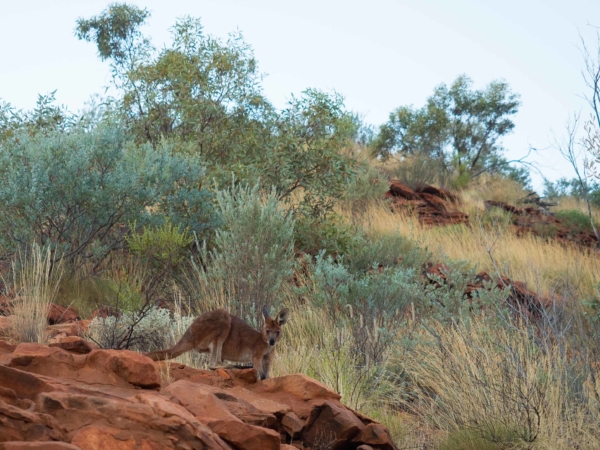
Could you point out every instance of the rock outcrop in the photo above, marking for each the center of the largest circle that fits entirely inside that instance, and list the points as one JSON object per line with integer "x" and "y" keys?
{"x": 433, "y": 206}
{"x": 542, "y": 223}
{"x": 72, "y": 395}
{"x": 520, "y": 298}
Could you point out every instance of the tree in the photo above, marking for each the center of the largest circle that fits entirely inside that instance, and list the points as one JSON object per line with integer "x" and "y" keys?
{"x": 204, "y": 96}
{"x": 459, "y": 126}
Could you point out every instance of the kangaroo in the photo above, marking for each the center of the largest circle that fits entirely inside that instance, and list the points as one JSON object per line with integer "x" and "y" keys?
{"x": 228, "y": 337}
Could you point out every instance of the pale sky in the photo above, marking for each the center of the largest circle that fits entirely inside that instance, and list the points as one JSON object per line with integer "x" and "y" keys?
{"x": 378, "y": 54}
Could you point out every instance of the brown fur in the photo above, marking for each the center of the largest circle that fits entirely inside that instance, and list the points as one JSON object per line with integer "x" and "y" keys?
{"x": 228, "y": 337}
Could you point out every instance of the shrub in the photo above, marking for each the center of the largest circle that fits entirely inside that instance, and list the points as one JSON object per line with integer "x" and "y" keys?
{"x": 575, "y": 220}
{"x": 252, "y": 254}
{"x": 155, "y": 329}
{"x": 76, "y": 192}
{"x": 372, "y": 305}
{"x": 365, "y": 252}
{"x": 164, "y": 247}
{"x": 419, "y": 171}
{"x": 366, "y": 187}
{"x": 329, "y": 233}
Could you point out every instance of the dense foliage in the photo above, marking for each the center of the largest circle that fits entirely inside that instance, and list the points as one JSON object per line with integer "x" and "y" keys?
{"x": 459, "y": 127}
{"x": 204, "y": 96}
{"x": 78, "y": 191}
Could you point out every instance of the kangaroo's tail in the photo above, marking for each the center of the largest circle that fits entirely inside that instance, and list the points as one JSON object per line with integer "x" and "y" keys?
{"x": 181, "y": 347}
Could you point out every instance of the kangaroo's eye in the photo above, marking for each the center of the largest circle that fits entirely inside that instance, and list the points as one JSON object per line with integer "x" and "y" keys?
{"x": 268, "y": 331}
{"x": 277, "y": 332}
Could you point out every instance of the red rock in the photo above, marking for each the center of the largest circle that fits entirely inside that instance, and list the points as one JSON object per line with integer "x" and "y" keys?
{"x": 505, "y": 206}
{"x": 438, "y": 270}
{"x": 199, "y": 401}
{"x": 377, "y": 435}
{"x": 246, "y": 437}
{"x": 223, "y": 374}
{"x": 433, "y": 206}
{"x": 5, "y": 326}
{"x": 74, "y": 344}
{"x": 292, "y": 424}
{"x": 152, "y": 421}
{"x": 119, "y": 368}
{"x": 438, "y": 192}
{"x": 397, "y": 189}
{"x": 94, "y": 400}
{"x": 301, "y": 386}
{"x": 211, "y": 406}
{"x": 331, "y": 423}
{"x": 209, "y": 403}
{"x": 132, "y": 367}
{"x": 59, "y": 314}
{"x": 435, "y": 202}
{"x": 22, "y": 445}
{"x": 17, "y": 424}
{"x": 63, "y": 330}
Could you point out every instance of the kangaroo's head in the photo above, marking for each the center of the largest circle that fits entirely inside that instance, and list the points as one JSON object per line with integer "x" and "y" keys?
{"x": 271, "y": 330}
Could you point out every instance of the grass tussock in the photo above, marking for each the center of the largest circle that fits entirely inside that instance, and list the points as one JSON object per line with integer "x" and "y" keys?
{"x": 35, "y": 284}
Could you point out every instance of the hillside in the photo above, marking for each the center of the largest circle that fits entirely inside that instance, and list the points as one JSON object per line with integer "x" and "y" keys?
{"x": 435, "y": 301}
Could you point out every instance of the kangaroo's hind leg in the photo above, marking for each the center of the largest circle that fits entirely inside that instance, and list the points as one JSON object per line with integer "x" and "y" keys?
{"x": 216, "y": 346}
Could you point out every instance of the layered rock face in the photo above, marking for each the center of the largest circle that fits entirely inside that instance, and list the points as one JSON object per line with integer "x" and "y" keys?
{"x": 72, "y": 395}
{"x": 434, "y": 206}
{"x": 520, "y": 298}
{"x": 541, "y": 223}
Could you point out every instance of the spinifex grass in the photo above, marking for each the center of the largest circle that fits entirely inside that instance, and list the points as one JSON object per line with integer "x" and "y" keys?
{"x": 35, "y": 282}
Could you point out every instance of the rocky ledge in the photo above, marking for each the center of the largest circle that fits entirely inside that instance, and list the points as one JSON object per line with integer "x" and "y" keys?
{"x": 72, "y": 395}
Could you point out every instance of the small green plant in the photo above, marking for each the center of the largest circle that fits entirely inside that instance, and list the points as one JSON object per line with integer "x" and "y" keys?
{"x": 365, "y": 252}
{"x": 545, "y": 230}
{"x": 575, "y": 220}
{"x": 328, "y": 233}
{"x": 166, "y": 244}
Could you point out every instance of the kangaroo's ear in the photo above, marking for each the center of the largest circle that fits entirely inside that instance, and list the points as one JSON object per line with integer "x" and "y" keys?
{"x": 265, "y": 312}
{"x": 283, "y": 316}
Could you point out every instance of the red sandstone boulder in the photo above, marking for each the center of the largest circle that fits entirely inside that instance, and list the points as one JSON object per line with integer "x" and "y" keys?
{"x": 246, "y": 437}
{"x": 398, "y": 189}
{"x": 59, "y": 314}
{"x": 377, "y": 435}
{"x": 331, "y": 423}
{"x": 74, "y": 344}
{"x": 112, "y": 367}
{"x": 106, "y": 399}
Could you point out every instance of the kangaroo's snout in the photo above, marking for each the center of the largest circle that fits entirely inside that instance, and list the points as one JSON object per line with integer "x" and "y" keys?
{"x": 271, "y": 341}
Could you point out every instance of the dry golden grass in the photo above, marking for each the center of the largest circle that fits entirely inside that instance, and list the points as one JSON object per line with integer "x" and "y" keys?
{"x": 36, "y": 286}
{"x": 546, "y": 266}
{"x": 498, "y": 384}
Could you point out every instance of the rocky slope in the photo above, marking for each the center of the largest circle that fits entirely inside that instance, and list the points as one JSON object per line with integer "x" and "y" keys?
{"x": 71, "y": 395}
{"x": 541, "y": 223}
{"x": 434, "y": 206}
